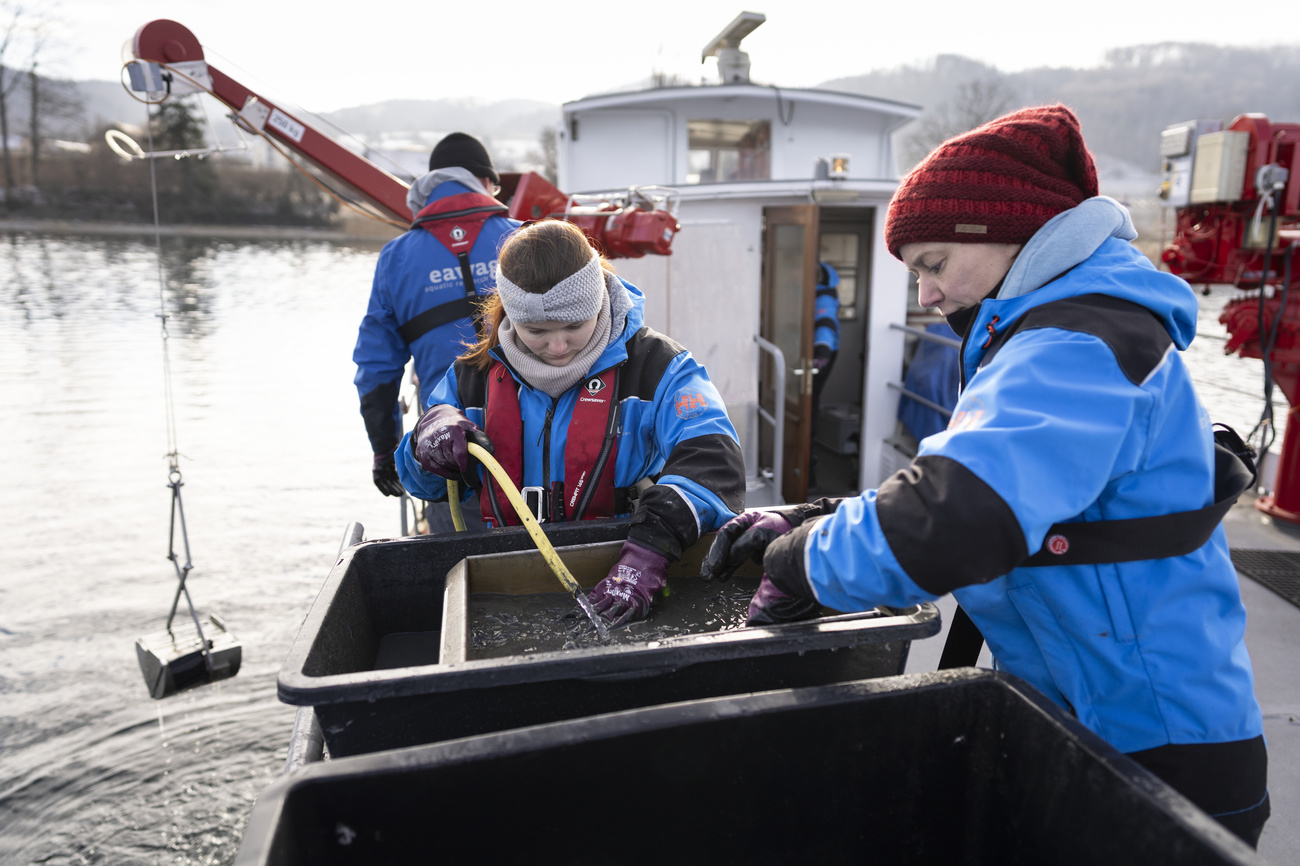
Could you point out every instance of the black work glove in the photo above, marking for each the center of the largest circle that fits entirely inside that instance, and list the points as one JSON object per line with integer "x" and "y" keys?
{"x": 384, "y": 471}
{"x": 743, "y": 538}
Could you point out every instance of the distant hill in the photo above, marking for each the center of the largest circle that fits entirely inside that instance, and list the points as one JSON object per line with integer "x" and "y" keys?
{"x": 508, "y": 118}
{"x": 1124, "y": 103}
{"x": 403, "y": 131}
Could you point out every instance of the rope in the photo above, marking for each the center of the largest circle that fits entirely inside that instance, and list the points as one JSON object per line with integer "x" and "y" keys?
{"x": 173, "y": 452}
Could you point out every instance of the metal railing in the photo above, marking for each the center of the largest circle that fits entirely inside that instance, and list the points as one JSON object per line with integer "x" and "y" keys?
{"x": 923, "y": 334}
{"x": 926, "y": 335}
{"x": 778, "y": 420}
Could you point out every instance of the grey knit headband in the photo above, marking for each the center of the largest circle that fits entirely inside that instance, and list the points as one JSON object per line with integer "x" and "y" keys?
{"x": 576, "y": 298}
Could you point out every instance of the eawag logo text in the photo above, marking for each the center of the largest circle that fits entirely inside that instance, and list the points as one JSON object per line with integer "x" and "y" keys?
{"x": 440, "y": 278}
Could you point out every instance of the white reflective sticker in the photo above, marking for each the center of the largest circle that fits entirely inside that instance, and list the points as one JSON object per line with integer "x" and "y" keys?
{"x": 289, "y": 127}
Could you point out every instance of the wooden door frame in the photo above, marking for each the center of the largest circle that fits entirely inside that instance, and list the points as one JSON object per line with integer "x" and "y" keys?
{"x": 797, "y": 411}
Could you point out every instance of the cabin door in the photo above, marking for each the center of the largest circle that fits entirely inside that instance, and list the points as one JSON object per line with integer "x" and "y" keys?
{"x": 790, "y": 248}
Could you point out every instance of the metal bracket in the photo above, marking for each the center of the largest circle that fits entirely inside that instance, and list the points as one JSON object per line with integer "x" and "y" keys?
{"x": 252, "y": 117}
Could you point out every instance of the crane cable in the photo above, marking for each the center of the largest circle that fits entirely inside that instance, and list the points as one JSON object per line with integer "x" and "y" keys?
{"x": 174, "y": 478}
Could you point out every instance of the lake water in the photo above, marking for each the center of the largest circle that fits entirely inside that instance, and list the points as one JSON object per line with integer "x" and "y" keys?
{"x": 275, "y": 464}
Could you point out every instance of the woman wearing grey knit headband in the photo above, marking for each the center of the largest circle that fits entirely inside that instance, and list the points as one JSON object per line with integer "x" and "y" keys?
{"x": 579, "y": 401}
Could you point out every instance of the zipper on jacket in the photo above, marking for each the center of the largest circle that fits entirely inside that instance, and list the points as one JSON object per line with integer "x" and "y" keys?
{"x": 546, "y": 456}
{"x": 961, "y": 361}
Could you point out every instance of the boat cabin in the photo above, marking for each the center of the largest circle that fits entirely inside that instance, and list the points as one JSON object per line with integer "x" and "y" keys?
{"x": 768, "y": 181}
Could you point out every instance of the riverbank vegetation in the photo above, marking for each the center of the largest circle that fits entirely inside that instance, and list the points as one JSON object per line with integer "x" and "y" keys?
{"x": 91, "y": 183}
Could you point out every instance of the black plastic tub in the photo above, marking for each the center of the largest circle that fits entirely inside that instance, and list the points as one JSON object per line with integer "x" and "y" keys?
{"x": 392, "y": 594}
{"x": 958, "y": 767}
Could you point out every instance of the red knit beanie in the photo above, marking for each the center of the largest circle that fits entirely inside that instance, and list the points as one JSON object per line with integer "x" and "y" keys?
{"x": 996, "y": 184}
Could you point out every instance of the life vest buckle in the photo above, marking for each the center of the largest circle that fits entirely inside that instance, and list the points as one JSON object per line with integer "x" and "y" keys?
{"x": 535, "y": 499}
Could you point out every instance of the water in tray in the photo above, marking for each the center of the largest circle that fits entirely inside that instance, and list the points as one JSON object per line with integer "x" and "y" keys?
{"x": 505, "y": 625}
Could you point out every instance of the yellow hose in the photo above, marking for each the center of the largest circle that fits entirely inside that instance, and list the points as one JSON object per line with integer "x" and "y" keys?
{"x": 453, "y": 501}
{"x": 530, "y": 522}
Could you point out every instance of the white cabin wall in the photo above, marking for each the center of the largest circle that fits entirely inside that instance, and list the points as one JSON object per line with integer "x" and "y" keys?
{"x": 706, "y": 297}
{"x": 650, "y": 275}
{"x": 818, "y": 130}
{"x": 884, "y": 356}
{"x": 647, "y": 143}
{"x": 619, "y": 148}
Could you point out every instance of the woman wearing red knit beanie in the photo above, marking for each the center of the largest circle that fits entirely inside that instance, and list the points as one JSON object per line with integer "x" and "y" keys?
{"x": 1070, "y": 505}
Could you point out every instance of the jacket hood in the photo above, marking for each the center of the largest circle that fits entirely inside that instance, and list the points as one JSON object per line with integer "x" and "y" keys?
{"x": 428, "y": 187}
{"x": 1090, "y": 244}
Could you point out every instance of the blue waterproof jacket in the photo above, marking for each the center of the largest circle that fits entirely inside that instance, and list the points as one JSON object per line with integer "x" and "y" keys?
{"x": 674, "y": 430}
{"x": 826, "y": 312}
{"x": 1053, "y": 429}
{"x": 415, "y": 273}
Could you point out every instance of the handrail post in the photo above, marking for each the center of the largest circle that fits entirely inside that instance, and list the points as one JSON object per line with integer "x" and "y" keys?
{"x": 777, "y": 420}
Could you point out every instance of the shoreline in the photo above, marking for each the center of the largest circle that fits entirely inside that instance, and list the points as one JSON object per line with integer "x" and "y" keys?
{"x": 350, "y": 232}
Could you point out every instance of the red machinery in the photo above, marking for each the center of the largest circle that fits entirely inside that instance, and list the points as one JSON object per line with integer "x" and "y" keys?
{"x": 169, "y": 60}
{"x": 1237, "y": 191}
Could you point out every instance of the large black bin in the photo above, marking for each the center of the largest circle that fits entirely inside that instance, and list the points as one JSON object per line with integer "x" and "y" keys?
{"x": 958, "y": 767}
{"x": 383, "y": 590}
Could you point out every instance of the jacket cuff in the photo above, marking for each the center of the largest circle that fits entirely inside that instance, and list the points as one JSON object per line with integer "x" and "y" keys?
{"x": 664, "y": 522}
{"x": 783, "y": 561}
{"x": 379, "y": 411}
{"x": 804, "y": 511}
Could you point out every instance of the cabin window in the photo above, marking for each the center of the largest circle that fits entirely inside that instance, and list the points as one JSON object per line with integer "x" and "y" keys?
{"x": 840, "y": 251}
{"x": 720, "y": 151}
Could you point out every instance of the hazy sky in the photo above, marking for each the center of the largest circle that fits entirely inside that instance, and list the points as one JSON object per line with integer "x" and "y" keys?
{"x": 326, "y": 55}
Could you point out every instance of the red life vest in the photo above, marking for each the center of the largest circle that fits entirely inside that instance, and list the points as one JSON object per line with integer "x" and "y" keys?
{"x": 590, "y": 452}
{"x": 456, "y": 222}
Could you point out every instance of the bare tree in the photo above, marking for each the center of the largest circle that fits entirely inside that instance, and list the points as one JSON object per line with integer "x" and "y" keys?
{"x": 545, "y": 157}
{"x": 977, "y": 101}
{"x": 48, "y": 99}
{"x": 9, "y": 80}
{"x": 34, "y": 94}
{"x": 550, "y": 155}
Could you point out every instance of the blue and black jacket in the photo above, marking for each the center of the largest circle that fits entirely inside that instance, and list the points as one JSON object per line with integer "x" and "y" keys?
{"x": 1076, "y": 407}
{"x": 415, "y": 274}
{"x": 674, "y": 430}
{"x": 826, "y": 313}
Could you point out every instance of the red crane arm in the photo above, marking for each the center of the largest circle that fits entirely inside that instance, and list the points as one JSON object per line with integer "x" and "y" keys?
{"x": 168, "y": 42}
{"x": 623, "y": 226}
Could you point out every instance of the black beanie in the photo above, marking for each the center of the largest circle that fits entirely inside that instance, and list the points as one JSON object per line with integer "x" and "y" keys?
{"x": 465, "y": 151}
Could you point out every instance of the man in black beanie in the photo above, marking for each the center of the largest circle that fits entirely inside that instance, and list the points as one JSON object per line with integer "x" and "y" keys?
{"x": 424, "y": 298}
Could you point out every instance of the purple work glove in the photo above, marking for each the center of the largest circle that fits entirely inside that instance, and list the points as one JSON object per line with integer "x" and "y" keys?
{"x": 440, "y": 444}
{"x": 743, "y": 538}
{"x": 625, "y": 594}
{"x": 770, "y": 606}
